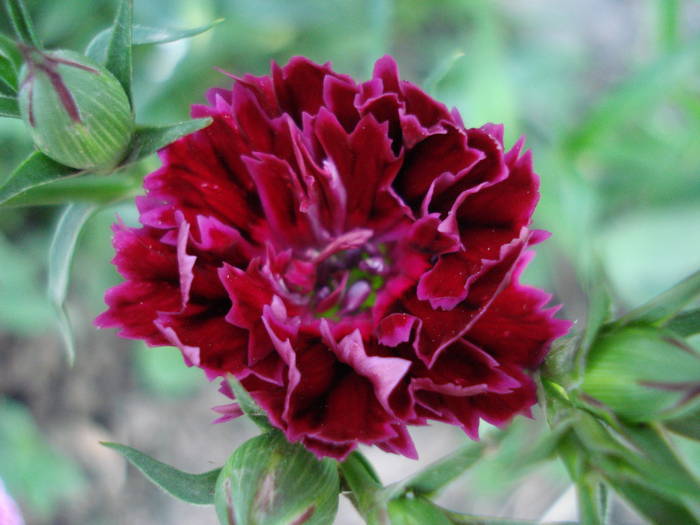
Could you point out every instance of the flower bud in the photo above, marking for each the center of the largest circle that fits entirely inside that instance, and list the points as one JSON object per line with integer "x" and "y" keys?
{"x": 76, "y": 110}
{"x": 269, "y": 481}
{"x": 643, "y": 374}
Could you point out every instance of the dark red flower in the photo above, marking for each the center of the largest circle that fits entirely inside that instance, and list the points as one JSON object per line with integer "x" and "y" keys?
{"x": 350, "y": 252}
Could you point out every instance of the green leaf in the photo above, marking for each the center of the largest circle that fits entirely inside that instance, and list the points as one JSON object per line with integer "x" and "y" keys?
{"x": 36, "y": 170}
{"x": 632, "y": 96}
{"x": 269, "y": 481}
{"x": 545, "y": 447}
{"x": 248, "y": 405}
{"x": 144, "y": 36}
{"x": 688, "y": 425}
{"x": 10, "y": 51}
{"x": 367, "y": 494}
{"x": 665, "y": 306}
{"x": 669, "y": 12}
{"x": 445, "y": 470}
{"x": 149, "y": 139}
{"x": 40, "y": 476}
{"x": 98, "y": 189}
{"x": 653, "y": 443}
{"x": 69, "y": 226}
{"x": 467, "y": 519}
{"x": 416, "y": 511}
{"x": 599, "y": 308}
{"x": 197, "y": 489}
{"x": 685, "y": 324}
{"x": 441, "y": 71}
{"x": 592, "y": 501}
{"x": 119, "y": 59}
{"x": 8, "y": 77}
{"x": 9, "y": 107}
{"x": 21, "y": 22}
{"x": 660, "y": 510}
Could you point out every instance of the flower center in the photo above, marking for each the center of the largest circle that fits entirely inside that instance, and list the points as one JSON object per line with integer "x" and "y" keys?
{"x": 349, "y": 272}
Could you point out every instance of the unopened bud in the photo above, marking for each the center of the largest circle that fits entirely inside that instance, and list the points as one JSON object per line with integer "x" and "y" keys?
{"x": 269, "y": 481}
{"x": 77, "y": 111}
{"x": 643, "y": 374}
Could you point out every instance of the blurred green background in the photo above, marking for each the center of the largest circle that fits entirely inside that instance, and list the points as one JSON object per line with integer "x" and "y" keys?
{"x": 606, "y": 91}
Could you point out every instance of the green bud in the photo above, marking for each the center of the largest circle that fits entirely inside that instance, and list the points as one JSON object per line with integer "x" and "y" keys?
{"x": 76, "y": 110}
{"x": 416, "y": 511}
{"x": 269, "y": 481}
{"x": 643, "y": 374}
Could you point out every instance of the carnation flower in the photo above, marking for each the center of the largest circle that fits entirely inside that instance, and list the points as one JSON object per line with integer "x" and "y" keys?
{"x": 9, "y": 511}
{"x": 349, "y": 252}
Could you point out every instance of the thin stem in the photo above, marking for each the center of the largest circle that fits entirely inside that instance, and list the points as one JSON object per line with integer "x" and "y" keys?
{"x": 365, "y": 489}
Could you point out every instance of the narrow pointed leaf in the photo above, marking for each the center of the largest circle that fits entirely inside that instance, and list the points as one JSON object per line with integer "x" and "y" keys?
{"x": 654, "y": 444}
{"x": 10, "y": 51}
{"x": 633, "y": 95}
{"x": 592, "y": 502}
{"x": 599, "y": 307}
{"x": 197, "y": 489}
{"x": 662, "y": 308}
{"x": 61, "y": 252}
{"x": 248, "y": 405}
{"x": 149, "y": 139}
{"x": 457, "y": 518}
{"x": 686, "y": 323}
{"x": 669, "y": 16}
{"x": 36, "y": 170}
{"x": 9, "y": 107}
{"x": 8, "y": 77}
{"x": 545, "y": 447}
{"x": 688, "y": 426}
{"x": 445, "y": 470}
{"x": 143, "y": 36}
{"x": 416, "y": 511}
{"x": 119, "y": 56}
{"x": 97, "y": 189}
{"x": 660, "y": 510}
{"x": 21, "y": 22}
{"x": 441, "y": 71}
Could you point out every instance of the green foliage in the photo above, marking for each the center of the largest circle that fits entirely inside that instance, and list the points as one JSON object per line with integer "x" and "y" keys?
{"x": 435, "y": 476}
{"x": 642, "y": 374}
{"x": 37, "y": 170}
{"x": 248, "y": 405}
{"x": 664, "y": 307}
{"x": 197, "y": 489}
{"x": 9, "y": 107}
{"x": 149, "y": 139}
{"x": 616, "y": 142}
{"x": 26, "y": 311}
{"x": 365, "y": 489}
{"x": 143, "y": 36}
{"x": 22, "y": 24}
{"x": 61, "y": 252}
{"x": 119, "y": 60}
{"x": 162, "y": 372}
{"x": 34, "y": 471}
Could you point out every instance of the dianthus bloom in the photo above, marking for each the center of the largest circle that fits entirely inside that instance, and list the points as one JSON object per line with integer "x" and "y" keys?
{"x": 9, "y": 511}
{"x": 350, "y": 252}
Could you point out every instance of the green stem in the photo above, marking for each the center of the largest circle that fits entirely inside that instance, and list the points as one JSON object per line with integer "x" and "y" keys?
{"x": 365, "y": 489}
{"x": 592, "y": 501}
{"x": 669, "y": 12}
